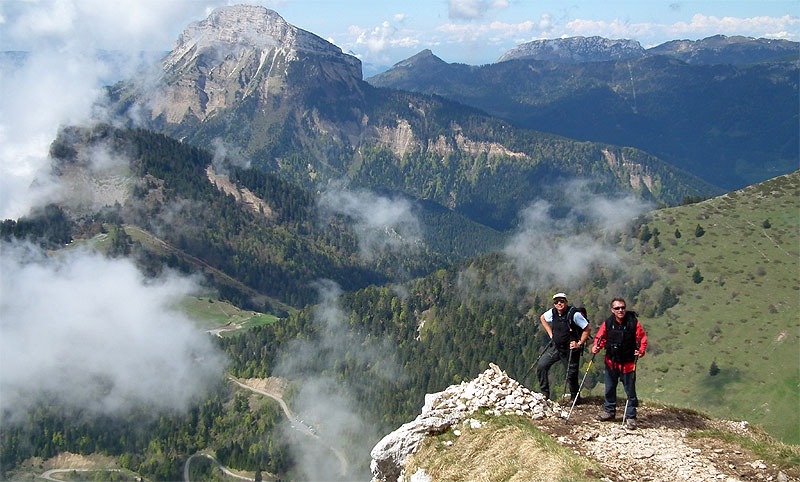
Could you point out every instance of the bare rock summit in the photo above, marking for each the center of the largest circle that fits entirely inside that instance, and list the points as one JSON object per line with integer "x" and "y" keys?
{"x": 493, "y": 390}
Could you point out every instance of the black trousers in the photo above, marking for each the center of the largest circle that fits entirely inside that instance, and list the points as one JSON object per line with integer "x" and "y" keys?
{"x": 571, "y": 364}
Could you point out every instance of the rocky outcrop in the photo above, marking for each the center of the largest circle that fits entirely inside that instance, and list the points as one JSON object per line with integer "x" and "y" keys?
{"x": 492, "y": 390}
{"x": 637, "y": 176}
{"x": 240, "y": 193}
{"x": 576, "y": 50}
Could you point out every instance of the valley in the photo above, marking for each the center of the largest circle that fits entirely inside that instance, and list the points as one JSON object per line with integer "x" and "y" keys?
{"x": 255, "y": 264}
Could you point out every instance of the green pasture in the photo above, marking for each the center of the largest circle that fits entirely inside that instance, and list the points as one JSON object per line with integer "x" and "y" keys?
{"x": 742, "y": 317}
{"x": 210, "y": 313}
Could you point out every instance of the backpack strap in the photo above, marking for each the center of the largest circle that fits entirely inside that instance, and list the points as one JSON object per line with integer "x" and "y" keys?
{"x": 571, "y": 319}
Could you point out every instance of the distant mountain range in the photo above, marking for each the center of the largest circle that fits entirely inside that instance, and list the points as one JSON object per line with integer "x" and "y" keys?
{"x": 722, "y": 108}
{"x": 290, "y": 102}
{"x": 719, "y": 49}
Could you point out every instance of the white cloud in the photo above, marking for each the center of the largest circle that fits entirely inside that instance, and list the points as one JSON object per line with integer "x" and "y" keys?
{"x": 379, "y": 40}
{"x": 380, "y": 223}
{"x": 474, "y": 9}
{"x": 52, "y": 89}
{"x": 94, "y": 333}
{"x": 323, "y": 401}
{"x": 700, "y": 26}
{"x": 547, "y": 251}
{"x": 61, "y": 80}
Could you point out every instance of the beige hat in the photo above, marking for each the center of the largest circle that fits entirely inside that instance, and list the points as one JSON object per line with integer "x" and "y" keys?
{"x": 560, "y": 295}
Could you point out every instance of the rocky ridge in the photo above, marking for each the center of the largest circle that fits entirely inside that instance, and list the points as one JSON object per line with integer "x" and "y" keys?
{"x": 722, "y": 49}
{"x": 664, "y": 447}
{"x": 718, "y": 49}
{"x": 493, "y": 390}
{"x": 576, "y": 50}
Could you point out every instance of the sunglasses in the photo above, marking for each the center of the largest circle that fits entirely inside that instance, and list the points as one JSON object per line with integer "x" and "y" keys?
{"x": 618, "y": 308}
{"x": 559, "y": 301}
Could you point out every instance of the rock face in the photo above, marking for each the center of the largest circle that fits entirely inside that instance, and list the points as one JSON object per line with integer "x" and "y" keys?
{"x": 721, "y": 49}
{"x": 493, "y": 390}
{"x": 237, "y": 53}
{"x": 576, "y": 50}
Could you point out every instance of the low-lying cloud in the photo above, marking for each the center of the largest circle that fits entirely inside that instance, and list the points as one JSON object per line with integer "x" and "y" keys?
{"x": 327, "y": 403}
{"x": 549, "y": 251}
{"x": 94, "y": 333}
{"x": 59, "y": 79}
{"x": 381, "y": 224}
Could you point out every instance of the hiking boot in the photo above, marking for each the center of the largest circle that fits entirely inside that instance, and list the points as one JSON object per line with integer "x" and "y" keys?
{"x": 630, "y": 424}
{"x": 605, "y": 416}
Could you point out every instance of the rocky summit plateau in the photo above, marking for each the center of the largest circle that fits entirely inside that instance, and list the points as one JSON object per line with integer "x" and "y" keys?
{"x": 576, "y": 50}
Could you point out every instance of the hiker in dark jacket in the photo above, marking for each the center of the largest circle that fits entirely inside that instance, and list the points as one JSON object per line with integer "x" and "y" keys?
{"x": 625, "y": 342}
{"x": 568, "y": 330}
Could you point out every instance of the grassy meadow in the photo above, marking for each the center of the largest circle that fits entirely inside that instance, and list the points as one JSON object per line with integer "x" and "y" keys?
{"x": 210, "y": 313}
{"x": 729, "y": 347}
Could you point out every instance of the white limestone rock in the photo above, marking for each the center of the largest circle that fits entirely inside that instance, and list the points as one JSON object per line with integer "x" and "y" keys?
{"x": 493, "y": 390}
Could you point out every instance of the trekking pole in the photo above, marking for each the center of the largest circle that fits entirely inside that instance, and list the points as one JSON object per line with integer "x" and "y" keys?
{"x": 541, "y": 352}
{"x": 628, "y": 399}
{"x": 575, "y": 398}
{"x": 566, "y": 378}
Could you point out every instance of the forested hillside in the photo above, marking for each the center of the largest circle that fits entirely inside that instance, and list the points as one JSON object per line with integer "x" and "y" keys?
{"x": 381, "y": 349}
{"x": 276, "y": 252}
{"x": 240, "y": 429}
{"x": 730, "y": 125}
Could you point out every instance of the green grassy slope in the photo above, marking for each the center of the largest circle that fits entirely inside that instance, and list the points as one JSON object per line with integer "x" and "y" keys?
{"x": 210, "y": 313}
{"x": 742, "y": 316}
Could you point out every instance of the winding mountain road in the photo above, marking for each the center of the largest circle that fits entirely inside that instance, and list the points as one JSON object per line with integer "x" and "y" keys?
{"x": 49, "y": 474}
{"x": 224, "y": 469}
{"x": 296, "y": 423}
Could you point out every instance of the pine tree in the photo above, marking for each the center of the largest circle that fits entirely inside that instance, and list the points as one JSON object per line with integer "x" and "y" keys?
{"x": 699, "y": 231}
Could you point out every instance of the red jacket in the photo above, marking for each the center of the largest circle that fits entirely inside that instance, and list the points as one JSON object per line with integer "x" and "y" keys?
{"x": 641, "y": 342}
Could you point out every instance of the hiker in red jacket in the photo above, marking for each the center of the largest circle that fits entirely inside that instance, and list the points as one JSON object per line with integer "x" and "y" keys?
{"x": 625, "y": 342}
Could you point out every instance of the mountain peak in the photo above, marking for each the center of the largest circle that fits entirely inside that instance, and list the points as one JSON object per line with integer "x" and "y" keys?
{"x": 575, "y": 50}
{"x": 493, "y": 423}
{"x": 424, "y": 57}
{"x": 246, "y": 53}
{"x": 246, "y": 27}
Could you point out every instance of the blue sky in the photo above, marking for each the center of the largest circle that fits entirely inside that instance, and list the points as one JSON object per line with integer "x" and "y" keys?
{"x": 383, "y": 32}
{"x": 480, "y": 31}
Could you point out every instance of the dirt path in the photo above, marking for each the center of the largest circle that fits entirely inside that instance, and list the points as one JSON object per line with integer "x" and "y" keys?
{"x": 659, "y": 449}
{"x": 296, "y": 423}
{"x": 273, "y": 395}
